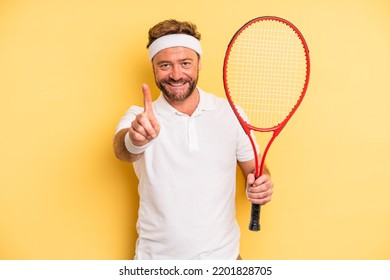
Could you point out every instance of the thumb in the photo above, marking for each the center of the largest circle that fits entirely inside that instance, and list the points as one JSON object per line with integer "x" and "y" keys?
{"x": 250, "y": 179}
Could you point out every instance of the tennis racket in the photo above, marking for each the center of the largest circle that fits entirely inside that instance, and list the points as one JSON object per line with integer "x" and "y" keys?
{"x": 265, "y": 73}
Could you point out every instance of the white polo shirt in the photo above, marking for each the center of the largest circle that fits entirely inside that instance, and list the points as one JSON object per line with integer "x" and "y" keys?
{"x": 187, "y": 182}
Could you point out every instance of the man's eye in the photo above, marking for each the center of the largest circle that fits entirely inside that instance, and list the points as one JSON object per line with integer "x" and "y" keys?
{"x": 165, "y": 65}
{"x": 186, "y": 64}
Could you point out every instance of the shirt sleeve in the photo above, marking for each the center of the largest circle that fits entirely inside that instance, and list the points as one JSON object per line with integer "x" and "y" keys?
{"x": 125, "y": 121}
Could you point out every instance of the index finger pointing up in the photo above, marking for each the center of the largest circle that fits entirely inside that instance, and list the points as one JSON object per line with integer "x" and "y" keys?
{"x": 148, "y": 107}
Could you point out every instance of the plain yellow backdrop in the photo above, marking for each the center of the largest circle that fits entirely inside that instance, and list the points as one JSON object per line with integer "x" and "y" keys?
{"x": 70, "y": 69}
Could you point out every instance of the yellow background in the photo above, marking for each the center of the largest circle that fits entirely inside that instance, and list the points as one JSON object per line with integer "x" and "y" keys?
{"x": 70, "y": 69}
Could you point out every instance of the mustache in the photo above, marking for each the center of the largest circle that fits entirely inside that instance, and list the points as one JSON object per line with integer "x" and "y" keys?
{"x": 173, "y": 81}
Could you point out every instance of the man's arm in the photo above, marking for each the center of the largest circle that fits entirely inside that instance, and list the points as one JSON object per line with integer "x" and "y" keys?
{"x": 120, "y": 149}
{"x": 259, "y": 191}
{"x": 249, "y": 167}
{"x": 130, "y": 143}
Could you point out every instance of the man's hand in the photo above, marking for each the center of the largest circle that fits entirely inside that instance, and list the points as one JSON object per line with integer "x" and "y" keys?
{"x": 259, "y": 191}
{"x": 145, "y": 127}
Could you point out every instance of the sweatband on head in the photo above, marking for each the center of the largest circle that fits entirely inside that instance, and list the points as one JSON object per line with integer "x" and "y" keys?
{"x": 174, "y": 40}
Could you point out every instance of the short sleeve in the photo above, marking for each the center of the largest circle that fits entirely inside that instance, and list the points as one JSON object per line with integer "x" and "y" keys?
{"x": 125, "y": 121}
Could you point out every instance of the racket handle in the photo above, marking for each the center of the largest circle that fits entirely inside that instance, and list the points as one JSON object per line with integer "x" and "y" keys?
{"x": 255, "y": 218}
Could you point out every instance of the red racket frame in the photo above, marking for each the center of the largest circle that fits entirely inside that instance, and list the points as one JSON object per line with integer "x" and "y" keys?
{"x": 278, "y": 128}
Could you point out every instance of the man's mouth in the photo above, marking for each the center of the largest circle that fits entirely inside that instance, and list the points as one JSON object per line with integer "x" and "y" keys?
{"x": 176, "y": 83}
{"x": 176, "y": 90}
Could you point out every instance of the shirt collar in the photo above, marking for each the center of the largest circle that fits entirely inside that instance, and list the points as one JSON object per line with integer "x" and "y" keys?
{"x": 206, "y": 103}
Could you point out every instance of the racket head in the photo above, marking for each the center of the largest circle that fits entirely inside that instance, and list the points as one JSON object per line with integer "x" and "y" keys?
{"x": 266, "y": 73}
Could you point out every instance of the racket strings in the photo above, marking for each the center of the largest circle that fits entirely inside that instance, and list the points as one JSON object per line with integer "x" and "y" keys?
{"x": 266, "y": 72}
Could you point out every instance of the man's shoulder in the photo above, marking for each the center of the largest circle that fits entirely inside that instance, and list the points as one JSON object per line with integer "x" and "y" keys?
{"x": 213, "y": 99}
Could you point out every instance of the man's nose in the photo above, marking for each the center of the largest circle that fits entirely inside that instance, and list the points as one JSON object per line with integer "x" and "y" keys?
{"x": 176, "y": 73}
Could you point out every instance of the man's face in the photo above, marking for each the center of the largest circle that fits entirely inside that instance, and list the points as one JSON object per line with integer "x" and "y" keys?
{"x": 176, "y": 72}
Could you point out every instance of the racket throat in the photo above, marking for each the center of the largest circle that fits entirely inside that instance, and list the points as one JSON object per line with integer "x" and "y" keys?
{"x": 260, "y": 167}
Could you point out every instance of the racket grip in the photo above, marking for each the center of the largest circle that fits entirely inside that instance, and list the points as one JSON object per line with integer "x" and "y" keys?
{"x": 254, "y": 224}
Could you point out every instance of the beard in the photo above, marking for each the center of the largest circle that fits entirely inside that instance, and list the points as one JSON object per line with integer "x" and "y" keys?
{"x": 177, "y": 96}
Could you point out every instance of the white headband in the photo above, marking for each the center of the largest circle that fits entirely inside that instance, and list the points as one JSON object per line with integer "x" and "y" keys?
{"x": 174, "y": 40}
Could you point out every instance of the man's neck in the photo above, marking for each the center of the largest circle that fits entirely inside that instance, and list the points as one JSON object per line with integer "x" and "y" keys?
{"x": 187, "y": 106}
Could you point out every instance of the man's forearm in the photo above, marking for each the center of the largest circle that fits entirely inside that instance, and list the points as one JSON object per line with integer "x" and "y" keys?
{"x": 249, "y": 167}
{"x": 120, "y": 149}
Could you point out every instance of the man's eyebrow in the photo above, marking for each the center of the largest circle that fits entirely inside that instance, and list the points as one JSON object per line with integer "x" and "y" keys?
{"x": 164, "y": 61}
{"x": 169, "y": 61}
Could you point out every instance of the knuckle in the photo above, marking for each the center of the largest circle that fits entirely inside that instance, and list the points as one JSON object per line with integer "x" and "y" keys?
{"x": 140, "y": 118}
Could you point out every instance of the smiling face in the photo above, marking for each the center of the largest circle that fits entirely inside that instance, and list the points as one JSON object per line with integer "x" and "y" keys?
{"x": 176, "y": 72}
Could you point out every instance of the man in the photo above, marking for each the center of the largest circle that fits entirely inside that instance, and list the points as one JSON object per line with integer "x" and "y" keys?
{"x": 184, "y": 147}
